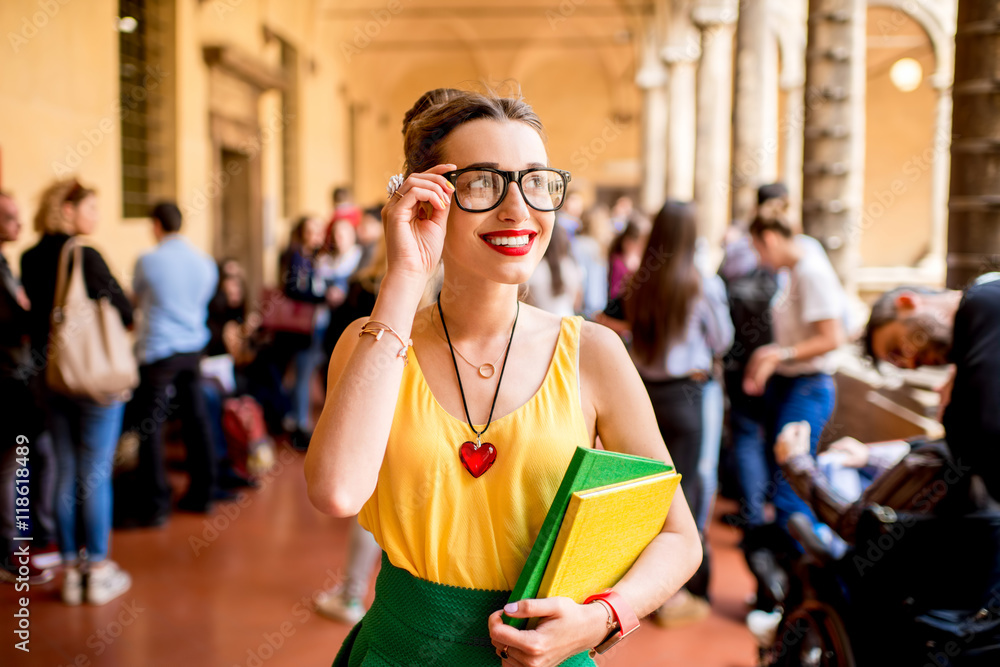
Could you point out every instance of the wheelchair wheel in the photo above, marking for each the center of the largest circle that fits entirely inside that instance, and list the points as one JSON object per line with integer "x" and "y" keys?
{"x": 812, "y": 635}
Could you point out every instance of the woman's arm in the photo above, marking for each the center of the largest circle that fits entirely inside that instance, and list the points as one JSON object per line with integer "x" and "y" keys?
{"x": 102, "y": 285}
{"x": 625, "y": 422}
{"x": 827, "y": 336}
{"x": 348, "y": 444}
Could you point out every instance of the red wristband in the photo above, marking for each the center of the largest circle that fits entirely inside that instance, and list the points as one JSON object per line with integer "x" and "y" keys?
{"x": 628, "y": 622}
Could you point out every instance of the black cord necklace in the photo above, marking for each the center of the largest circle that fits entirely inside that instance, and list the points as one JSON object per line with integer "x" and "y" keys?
{"x": 476, "y": 457}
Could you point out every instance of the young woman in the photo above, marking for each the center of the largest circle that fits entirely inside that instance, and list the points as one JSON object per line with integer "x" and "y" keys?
{"x": 794, "y": 373}
{"x": 300, "y": 270}
{"x": 394, "y": 441}
{"x": 84, "y": 432}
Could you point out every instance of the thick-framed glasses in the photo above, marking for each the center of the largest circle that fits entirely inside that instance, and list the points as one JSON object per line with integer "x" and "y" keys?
{"x": 480, "y": 189}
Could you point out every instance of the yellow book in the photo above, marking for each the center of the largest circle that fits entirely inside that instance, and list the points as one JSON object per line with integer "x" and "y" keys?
{"x": 603, "y": 532}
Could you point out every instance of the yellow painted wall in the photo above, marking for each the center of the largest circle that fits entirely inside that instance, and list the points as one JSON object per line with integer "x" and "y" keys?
{"x": 58, "y": 96}
{"x": 59, "y": 112}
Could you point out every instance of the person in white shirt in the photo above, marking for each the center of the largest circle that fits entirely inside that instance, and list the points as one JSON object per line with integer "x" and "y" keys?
{"x": 794, "y": 373}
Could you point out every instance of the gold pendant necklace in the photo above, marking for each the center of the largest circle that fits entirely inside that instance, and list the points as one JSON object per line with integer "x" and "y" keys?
{"x": 486, "y": 371}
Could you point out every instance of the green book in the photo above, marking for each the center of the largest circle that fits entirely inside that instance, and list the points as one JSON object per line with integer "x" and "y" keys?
{"x": 589, "y": 469}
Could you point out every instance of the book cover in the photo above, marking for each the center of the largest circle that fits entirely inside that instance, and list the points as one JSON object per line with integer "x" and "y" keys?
{"x": 604, "y": 532}
{"x": 588, "y": 469}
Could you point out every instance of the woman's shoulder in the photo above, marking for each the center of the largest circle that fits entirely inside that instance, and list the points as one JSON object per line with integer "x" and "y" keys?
{"x": 600, "y": 345}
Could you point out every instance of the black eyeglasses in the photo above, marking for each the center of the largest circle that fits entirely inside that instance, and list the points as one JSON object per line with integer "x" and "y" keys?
{"x": 479, "y": 189}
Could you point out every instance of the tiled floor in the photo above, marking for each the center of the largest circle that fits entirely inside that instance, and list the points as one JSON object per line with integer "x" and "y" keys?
{"x": 233, "y": 589}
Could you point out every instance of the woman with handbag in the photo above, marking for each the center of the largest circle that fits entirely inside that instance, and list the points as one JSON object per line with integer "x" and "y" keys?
{"x": 457, "y": 519}
{"x": 85, "y": 424}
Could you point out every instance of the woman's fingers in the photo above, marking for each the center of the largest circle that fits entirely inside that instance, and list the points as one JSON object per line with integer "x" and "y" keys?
{"x": 418, "y": 193}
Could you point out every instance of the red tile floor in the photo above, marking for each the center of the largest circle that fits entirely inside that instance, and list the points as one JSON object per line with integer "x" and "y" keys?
{"x": 232, "y": 590}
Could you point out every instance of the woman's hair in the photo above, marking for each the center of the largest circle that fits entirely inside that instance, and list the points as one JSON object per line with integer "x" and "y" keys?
{"x": 632, "y": 232}
{"x": 772, "y": 214}
{"x": 229, "y": 269}
{"x": 557, "y": 251}
{"x": 658, "y": 301}
{"x": 50, "y": 219}
{"x": 432, "y": 118}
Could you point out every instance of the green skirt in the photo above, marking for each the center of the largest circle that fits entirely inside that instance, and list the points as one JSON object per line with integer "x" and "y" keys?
{"x": 420, "y": 623}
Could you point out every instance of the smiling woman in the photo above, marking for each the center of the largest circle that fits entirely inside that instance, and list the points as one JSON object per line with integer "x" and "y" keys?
{"x": 453, "y": 470}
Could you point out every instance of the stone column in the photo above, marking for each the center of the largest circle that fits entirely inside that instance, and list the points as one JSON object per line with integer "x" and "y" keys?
{"x": 749, "y": 107}
{"x": 682, "y": 62}
{"x": 974, "y": 206}
{"x": 935, "y": 258}
{"x": 714, "y": 99}
{"x": 652, "y": 80}
{"x": 791, "y": 131}
{"x": 833, "y": 154}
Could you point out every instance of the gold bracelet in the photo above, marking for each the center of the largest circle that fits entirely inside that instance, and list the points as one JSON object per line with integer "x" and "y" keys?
{"x": 612, "y": 623}
{"x": 377, "y": 329}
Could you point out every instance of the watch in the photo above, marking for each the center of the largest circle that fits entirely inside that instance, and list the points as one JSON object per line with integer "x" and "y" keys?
{"x": 626, "y": 619}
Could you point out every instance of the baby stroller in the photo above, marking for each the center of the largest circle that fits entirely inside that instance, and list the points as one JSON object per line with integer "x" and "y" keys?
{"x": 915, "y": 590}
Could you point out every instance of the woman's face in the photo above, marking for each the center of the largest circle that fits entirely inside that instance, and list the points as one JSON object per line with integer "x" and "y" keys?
{"x": 344, "y": 235}
{"x": 232, "y": 288}
{"x": 312, "y": 234}
{"x": 476, "y": 243}
{"x": 82, "y": 216}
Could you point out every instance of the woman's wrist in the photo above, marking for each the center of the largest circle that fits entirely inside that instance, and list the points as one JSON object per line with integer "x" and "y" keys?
{"x": 600, "y": 623}
{"x": 397, "y": 303}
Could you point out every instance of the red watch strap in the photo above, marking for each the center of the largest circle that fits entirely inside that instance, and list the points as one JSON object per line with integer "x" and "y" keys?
{"x": 627, "y": 620}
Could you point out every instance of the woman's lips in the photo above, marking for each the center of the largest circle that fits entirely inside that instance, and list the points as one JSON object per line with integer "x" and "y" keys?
{"x": 510, "y": 242}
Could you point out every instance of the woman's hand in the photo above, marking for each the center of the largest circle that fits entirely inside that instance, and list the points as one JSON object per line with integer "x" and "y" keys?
{"x": 565, "y": 629}
{"x": 763, "y": 362}
{"x": 415, "y": 221}
{"x": 792, "y": 441}
{"x": 855, "y": 453}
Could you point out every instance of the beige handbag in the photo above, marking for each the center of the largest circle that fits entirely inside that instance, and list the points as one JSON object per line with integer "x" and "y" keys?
{"x": 91, "y": 351}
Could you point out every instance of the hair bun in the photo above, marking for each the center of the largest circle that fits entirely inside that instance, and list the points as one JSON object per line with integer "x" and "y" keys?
{"x": 428, "y": 100}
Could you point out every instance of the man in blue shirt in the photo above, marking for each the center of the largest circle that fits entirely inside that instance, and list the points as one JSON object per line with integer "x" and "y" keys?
{"x": 172, "y": 284}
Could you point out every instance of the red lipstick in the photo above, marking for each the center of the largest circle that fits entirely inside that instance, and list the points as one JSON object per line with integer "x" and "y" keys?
{"x": 510, "y": 242}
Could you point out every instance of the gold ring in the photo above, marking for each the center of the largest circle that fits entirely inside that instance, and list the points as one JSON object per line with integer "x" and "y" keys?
{"x": 503, "y": 653}
{"x": 395, "y": 193}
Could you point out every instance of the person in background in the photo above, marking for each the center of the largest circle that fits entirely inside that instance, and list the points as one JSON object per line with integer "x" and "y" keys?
{"x": 370, "y": 234}
{"x": 622, "y": 213}
{"x": 18, "y": 388}
{"x": 555, "y": 284}
{"x": 751, "y": 286}
{"x": 344, "y": 208}
{"x": 624, "y": 256}
{"x": 232, "y": 332}
{"x": 173, "y": 284}
{"x": 679, "y": 321}
{"x": 84, "y": 432}
{"x": 794, "y": 374}
{"x": 590, "y": 250}
{"x": 568, "y": 217}
{"x": 303, "y": 281}
{"x": 340, "y": 258}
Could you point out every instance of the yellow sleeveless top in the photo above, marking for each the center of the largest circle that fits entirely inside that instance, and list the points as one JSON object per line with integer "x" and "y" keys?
{"x": 436, "y": 521}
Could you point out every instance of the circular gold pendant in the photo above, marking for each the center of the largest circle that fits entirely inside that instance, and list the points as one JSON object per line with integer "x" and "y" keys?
{"x": 487, "y": 370}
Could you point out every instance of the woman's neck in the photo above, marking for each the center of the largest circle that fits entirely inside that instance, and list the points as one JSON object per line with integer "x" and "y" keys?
{"x": 478, "y": 312}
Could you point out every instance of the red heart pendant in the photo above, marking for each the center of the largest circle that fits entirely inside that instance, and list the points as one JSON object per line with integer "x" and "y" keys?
{"x": 477, "y": 461}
